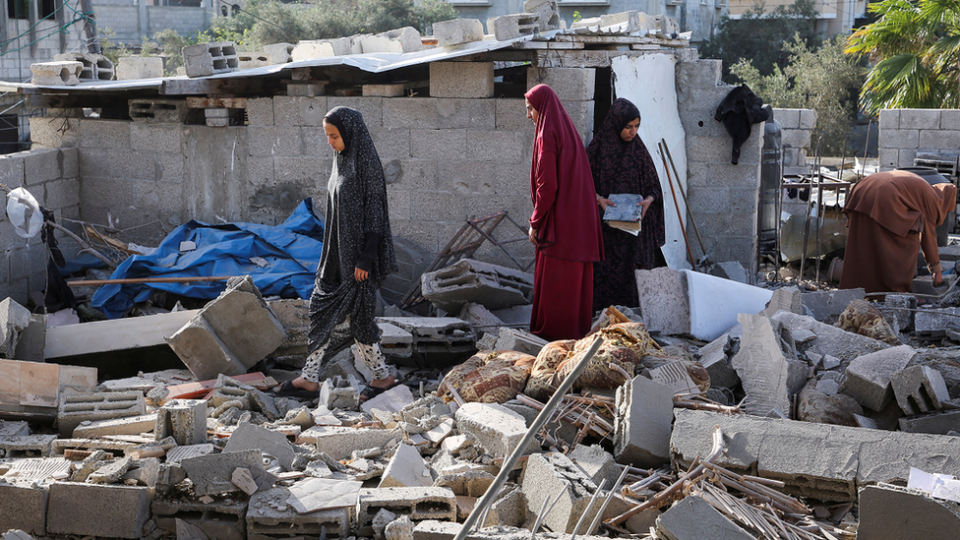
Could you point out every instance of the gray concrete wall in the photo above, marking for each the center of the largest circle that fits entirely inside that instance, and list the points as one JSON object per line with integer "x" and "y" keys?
{"x": 15, "y": 61}
{"x": 124, "y": 25}
{"x": 692, "y": 15}
{"x": 723, "y": 198}
{"x": 52, "y": 177}
{"x": 796, "y": 125}
{"x": 904, "y": 132}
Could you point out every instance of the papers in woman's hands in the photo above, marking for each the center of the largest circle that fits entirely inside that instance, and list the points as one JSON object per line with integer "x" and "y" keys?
{"x": 626, "y": 214}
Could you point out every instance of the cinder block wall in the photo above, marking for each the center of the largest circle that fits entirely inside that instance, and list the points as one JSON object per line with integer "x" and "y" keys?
{"x": 52, "y": 177}
{"x": 796, "y": 125}
{"x": 904, "y": 132}
{"x": 723, "y": 198}
{"x": 446, "y": 159}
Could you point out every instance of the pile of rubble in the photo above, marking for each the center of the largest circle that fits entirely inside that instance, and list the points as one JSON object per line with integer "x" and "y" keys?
{"x": 806, "y": 417}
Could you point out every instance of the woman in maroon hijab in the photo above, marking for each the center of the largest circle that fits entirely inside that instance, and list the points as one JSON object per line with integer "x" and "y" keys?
{"x": 565, "y": 225}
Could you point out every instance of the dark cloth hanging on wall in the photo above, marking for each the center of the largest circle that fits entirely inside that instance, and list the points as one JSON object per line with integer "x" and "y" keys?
{"x": 738, "y": 111}
{"x": 57, "y": 294}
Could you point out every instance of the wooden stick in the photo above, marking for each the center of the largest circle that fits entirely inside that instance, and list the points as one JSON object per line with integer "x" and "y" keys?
{"x": 128, "y": 281}
{"x": 683, "y": 228}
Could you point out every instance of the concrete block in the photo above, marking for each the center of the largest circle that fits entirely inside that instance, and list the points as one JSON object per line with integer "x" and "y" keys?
{"x": 249, "y": 436}
{"x": 663, "y": 300}
{"x": 307, "y": 49}
{"x": 96, "y": 67}
{"x": 762, "y": 367}
{"x": 513, "y": 339}
{"x": 384, "y": 90}
{"x": 496, "y": 429}
{"x": 547, "y": 9}
{"x": 406, "y": 469}
{"x": 570, "y": 84}
{"x": 251, "y": 60}
{"x": 203, "y": 352}
{"x": 400, "y": 40}
{"x": 900, "y": 138}
{"x": 938, "y": 138}
{"x": 306, "y": 89}
{"x": 183, "y": 419}
{"x": 867, "y": 378}
{"x": 279, "y": 53}
{"x": 691, "y": 517}
{"x": 466, "y": 281}
{"x": 808, "y": 119}
{"x": 220, "y": 519}
{"x": 436, "y": 334}
{"x": 889, "y": 119}
{"x": 897, "y": 310}
{"x": 25, "y": 446}
{"x": 461, "y": 79}
{"x": 13, "y": 428}
{"x": 938, "y": 319}
{"x": 919, "y": 389}
{"x": 77, "y": 408}
{"x": 94, "y": 510}
{"x": 180, "y": 453}
{"x": 211, "y": 474}
{"x": 919, "y": 118}
{"x": 546, "y": 476}
{"x": 395, "y": 341}
{"x": 457, "y": 31}
{"x": 642, "y": 423}
{"x": 417, "y": 503}
{"x": 56, "y": 73}
{"x": 507, "y": 27}
{"x": 940, "y": 423}
{"x": 830, "y": 340}
{"x": 158, "y": 110}
{"x": 14, "y": 320}
{"x": 24, "y": 508}
{"x": 466, "y": 484}
{"x": 826, "y": 306}
{"x": 205, "y": 59}
{"x": 597, "y": 463}
{"x": 133, "y": 425}
{"x": 410, "y": 113}
{"x": 139, "y": 67}
{"x": 498, "y": 146}
{"x": 269, "y": 516}
{"x": 949, "y": 119}
{"x": 785, "y": 299}
{"x": 788, "y": 118}
{"x": 890, "y": 512}
{"x": 436, "y": 145}
{"x": 110, "y": 473}
{"x": 340, "y": 442}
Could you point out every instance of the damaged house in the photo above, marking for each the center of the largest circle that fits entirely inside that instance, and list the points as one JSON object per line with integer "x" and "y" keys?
{"x": 715, "y": 409}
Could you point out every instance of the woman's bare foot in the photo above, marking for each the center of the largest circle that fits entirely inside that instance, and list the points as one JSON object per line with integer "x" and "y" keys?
{"x": 304, "y": 384}
{"x": 383, "y": 383}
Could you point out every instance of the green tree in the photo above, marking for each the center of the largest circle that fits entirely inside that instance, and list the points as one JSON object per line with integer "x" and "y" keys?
{"x": 762, "y": 37}
{"x": 824, "y": 79}
{"x": 915, "y": 49}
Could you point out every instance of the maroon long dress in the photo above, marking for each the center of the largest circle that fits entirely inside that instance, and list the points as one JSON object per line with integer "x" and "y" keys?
{"x": 566, "y": 222}
{"x": 624, "y": 167}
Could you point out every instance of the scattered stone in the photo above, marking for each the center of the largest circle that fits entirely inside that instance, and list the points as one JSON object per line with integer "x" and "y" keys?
{"x": 642, "y": 423}
{"x": 693, "y": 518}
{"x": 545, "y": 477}
{"x": 406, "y": 469}
{"x": 919, "y": 389}
{"x": 889, "y": 512}
{"x": 495, "y": 428}
{"x": 867, "y": 378}
{"x": 762, "y": 367}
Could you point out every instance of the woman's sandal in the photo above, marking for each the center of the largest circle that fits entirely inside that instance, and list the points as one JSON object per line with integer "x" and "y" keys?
{"x": 287, "y": 389}
{"x": 371, "y": 392}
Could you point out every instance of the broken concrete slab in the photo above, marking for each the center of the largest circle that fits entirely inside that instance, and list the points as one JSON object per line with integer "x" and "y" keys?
{"x": 890, "y": 512}
{"x": 339, "y": 442}
{"x": 269, "y": 516}
{"x": 406, "y": 469}
{"x": 548, "y": 475}
{"x": 315, "y": 494}
{"x": 826, "y": 306}
{"x": 716, "y": 302}
{"x": 762, "y": 367}
{"x": 491, "y": 285}
{"x": 133, "y": 425}
{"x": 814, "y": 460}
{"x": 436, "y": 334}
{"x": 249, "y": 436}
{"x": 867, "y": 378}
{"x": 897, "y": 310}
{"x": 693, "y": 518}
{"x": 180, "y": 453}
{"x": 496, "y": 428}
{"x": 95, "y": 510}
{"x": 110, "y": 473}
{"x": 114, "y": 335}
{"x": 14, "y": 320}
{"x": 596, "y": 463}
{"x": 930, "y": 320}
{"x": 20, "y": 446}
{"x": 392, "y": 400}
{"x": 644, "y": 411}
{"x": 211, "y": 474}
{"x": 514, "y": 339}
{"x": 663, "y": 300}
{"x": 919, "y": 389}
{"x": 715, "y": 358}
{"x": 399, "y": 40}
{"x": 548, "y": 11}
{"x": 183, "y": 419}
{"x": 24, "y": 508}
{"x": 830, "y": 340}
{"x": 940, "y": 423}
{"x": 419, "y": 503}
{"x": 507, "y": 27}
{"x": 220, "y": 519}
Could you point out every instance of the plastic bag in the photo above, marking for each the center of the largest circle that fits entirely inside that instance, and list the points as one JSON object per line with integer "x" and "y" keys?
{"x": 24, "y": 213}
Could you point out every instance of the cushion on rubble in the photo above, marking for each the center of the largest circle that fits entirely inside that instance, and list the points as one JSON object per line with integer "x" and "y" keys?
{"x": 623, "y": 344}
{"x": 488, "y": 377}
{"x": 863, "y": 318}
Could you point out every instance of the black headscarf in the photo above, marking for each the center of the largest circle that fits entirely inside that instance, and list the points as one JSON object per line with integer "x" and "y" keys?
{"x": 356, "y": 217}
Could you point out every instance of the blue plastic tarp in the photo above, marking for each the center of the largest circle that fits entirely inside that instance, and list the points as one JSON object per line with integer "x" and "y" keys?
{"x": 291, "y": 250}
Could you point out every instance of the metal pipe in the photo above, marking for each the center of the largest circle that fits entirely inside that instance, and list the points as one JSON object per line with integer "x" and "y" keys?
{"x": 683, "y": 228}
{"x": 666, "y": 150}
{"x": 538, "y": 423}
{"x": 586, "y": 510}
{"x": 606, "y": 502}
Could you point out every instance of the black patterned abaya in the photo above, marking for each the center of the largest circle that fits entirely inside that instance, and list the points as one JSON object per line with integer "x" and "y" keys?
{"x": 624, "y": 167}
{"x": 356, "y": 235}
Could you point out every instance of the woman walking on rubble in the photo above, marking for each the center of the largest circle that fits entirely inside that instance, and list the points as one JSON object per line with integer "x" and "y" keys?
{"x": 892, "y": 215}
{"x": 565, "y": 224}
{"x": 621, "y": 164}
{"x": 357, "y": 255}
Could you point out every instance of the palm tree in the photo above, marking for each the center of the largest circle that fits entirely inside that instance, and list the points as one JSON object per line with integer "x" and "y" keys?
{"x": 915, "y": 50}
